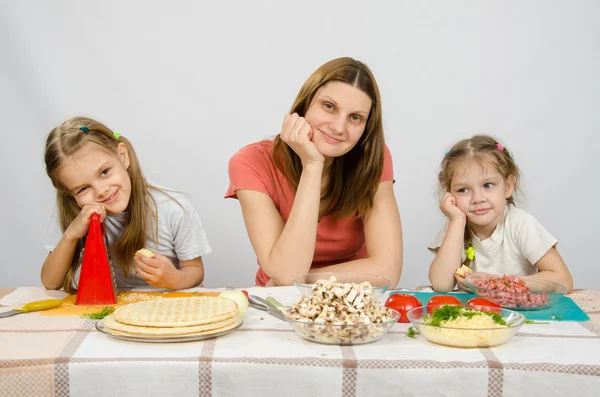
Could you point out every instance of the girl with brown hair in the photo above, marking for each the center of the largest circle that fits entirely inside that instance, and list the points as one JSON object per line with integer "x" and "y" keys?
{"x": 319, "y": 197}
{"x": 96, "y": 170}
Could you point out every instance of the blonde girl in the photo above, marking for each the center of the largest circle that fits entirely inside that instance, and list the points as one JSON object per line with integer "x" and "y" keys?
{"x": 319, "y": 197}
{"x": 96, "y": 170}
{"x": 485, "y": 230}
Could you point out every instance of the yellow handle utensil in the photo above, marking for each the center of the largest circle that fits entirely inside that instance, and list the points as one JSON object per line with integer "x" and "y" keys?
{"x": 34, "y": 307}
{"x": 40, "y": 305}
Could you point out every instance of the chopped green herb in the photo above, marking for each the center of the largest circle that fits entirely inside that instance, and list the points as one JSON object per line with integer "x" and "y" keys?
{"x": 497, "y": 318}
{"x": 449, "y": 312}
{"x": 101, "y": 314}
{"x": 536, "y": 322}
{"x": 555, "y": 317}
{"x": 411, "y": 332}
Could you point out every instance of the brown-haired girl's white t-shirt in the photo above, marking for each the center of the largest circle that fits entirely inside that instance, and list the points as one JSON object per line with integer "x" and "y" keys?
{"x": 180, "y": 236}
{"x": 514, "y": 248}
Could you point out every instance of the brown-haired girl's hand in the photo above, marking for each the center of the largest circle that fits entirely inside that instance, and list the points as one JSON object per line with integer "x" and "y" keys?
{"x": 449, "y": 208}
{"x": 297, "y": 133}
{"x": 157, "y": 271}
{"x": 80, "y": 225}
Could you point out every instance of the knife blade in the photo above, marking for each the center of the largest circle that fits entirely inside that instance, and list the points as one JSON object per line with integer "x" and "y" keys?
{"x": 259, "y": 303}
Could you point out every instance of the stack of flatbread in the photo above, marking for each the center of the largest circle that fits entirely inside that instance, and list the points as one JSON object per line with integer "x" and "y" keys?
{"x": 174, "y": 317}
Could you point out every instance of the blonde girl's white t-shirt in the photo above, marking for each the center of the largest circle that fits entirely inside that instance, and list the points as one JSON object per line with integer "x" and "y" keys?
{"x": 514, "y": 248}
{"x": 180, "y": 236}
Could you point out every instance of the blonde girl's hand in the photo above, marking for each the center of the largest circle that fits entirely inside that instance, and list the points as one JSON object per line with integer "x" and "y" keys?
{"x": 461, "y": 284}
{"x": 449, "y": 208}
{"x": 297, "y": 133}
{"x": 158, "y": 271}
{"x": 80, "y": 225}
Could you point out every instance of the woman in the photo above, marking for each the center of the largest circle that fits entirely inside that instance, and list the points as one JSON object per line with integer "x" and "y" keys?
{"x": 319, "y": 197}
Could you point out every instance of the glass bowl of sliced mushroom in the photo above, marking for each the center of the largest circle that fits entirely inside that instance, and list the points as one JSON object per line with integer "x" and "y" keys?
{"x": 307, "y": 284}
{"x": 340, "y": 314}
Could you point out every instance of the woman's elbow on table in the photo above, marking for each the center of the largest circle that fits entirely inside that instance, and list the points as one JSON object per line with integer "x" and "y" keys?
{"x": 392, "y": 269}
{"x": 279, "y": 278}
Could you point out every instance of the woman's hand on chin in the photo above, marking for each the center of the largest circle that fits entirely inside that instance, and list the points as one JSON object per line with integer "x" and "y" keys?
{"x": 297, "y": 134}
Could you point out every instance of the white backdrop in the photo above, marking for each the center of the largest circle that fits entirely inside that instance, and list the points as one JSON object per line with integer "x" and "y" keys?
{"x": 190, "y": 82}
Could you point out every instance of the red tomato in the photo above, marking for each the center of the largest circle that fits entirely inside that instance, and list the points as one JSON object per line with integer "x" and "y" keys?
{"x": 440, "y": 300}
{"x": 489, "y": 304}
{"x": 245, "y": 293}
{"x": 402, "y": 303}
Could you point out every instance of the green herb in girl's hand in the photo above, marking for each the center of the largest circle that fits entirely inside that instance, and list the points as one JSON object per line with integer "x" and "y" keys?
{"x": 101, "y": 314}
{"x": 411, "y": 332}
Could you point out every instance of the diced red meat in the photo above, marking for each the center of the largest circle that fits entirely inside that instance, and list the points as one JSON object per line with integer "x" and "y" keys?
{"x": 510, "y": 291}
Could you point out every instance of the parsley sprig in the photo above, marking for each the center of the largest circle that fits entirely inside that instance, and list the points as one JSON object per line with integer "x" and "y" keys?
{"x": 99, "y": 315}
{"x": 411, "y": 332}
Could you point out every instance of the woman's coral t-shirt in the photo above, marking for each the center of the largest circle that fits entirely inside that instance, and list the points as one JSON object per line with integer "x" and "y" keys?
{"x": 338, "y": 240}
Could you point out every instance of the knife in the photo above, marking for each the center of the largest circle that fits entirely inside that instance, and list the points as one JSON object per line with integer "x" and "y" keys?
{"x": 259, "y": 303}
{"x": 34, "y": 307}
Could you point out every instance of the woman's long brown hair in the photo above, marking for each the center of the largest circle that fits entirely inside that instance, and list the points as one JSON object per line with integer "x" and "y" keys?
{"x": 354, "y": 177}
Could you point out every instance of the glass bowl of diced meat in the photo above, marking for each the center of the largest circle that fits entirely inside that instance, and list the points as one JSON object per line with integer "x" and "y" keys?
{"x": 512, "y": 292}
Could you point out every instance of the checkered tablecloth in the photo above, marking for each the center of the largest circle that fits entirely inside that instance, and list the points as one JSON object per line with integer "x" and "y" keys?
{"x": 66, "y": 356}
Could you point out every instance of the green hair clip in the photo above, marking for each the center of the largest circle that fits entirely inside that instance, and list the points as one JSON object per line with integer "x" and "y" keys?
{"x": 84, "y": 129}
{"x": 470, "y": 253}
{"x": 116, "y": 135}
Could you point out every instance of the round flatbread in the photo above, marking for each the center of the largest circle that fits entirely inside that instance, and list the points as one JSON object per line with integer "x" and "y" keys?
{"x": 236, "y": 322}
{"x": 177, "y": 312}
{"x": 114, "y": 325}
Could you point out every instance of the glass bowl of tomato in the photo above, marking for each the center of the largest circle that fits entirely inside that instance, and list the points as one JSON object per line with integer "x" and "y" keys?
{"x": 306, "y": 282}
{"x": 464, "y": 327}
{"x": 514, "y": 293}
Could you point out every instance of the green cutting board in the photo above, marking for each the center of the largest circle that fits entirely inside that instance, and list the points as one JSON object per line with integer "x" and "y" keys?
{"x": 564, "y": 308}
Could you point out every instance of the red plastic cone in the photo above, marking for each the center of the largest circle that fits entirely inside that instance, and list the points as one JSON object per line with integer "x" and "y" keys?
{"x": 96, "y": 282}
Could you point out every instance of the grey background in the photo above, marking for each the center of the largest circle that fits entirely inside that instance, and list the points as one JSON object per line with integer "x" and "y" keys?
{"x": 191, "y": 82}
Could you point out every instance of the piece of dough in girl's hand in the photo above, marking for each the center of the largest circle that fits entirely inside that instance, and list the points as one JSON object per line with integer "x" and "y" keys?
{"x": 146, "y": 252}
